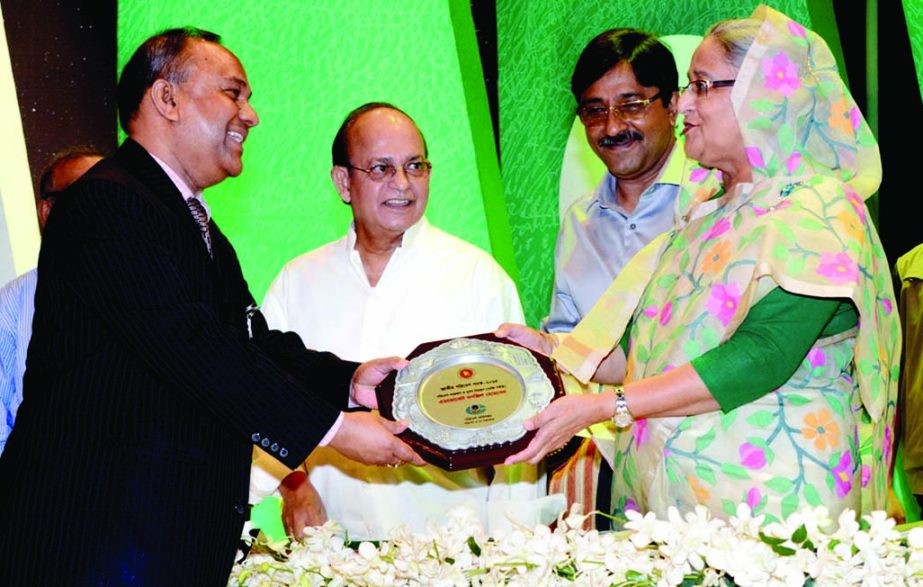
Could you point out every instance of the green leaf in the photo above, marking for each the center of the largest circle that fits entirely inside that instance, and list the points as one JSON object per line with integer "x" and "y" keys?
{"x": 659, "y": 348}
{"x": 728, "y": 419}
{"x": 866, "y": 139}
{"x": 780, "y": 484}
{"x": 642, "y": 353}
{"x": 761, "y": 122}
{"x": 785, "y": 230}
{"x": 810, "y": 495}
{"x": 796, "y": 400}
{"x": 783, "y": 550}
{"x": 795, "y": 265}
{"x": 734, "y": 471}
{"x": 702, "y": 442}
{"x": 729, "y": 506}
{"x": 827, "y": 86}
{"x": 779, "y": 251}
{"x": 759, "y": 230}
{"x": 835, "y": 404}
{"x": 786, "y": 138}
{"x": 666, "y": 281}
{"x": 790, "y": 504}
{"x": 709, "y": 338}
{"x": 800, "y": 535}
{"x": 763, "y": 105}
{"x": 761, "y": 419}
{"x": 629, "y": 472}
{"x": 770, "y": 455}
{"x": 671, "y": 473}
{"x": 705, "y": 473}
{"x": 692, "y": 348}
{"x": 771, "y": 540}
{"x": 811, "y": 224}
{"x": 684, "y": 260}
{"x": 473, "y": 545}
{"x": 772, "y": 166}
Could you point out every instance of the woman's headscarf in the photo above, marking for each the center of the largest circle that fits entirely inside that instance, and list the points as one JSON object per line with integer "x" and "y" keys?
{"x": 796, "y": 115}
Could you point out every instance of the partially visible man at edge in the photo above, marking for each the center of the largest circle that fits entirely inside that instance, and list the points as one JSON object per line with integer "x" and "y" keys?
{"x": 624, "y": 84}
{"x": 144, "y": 391}
{"x": 17, "y": 297}
{"x": 394, "y": 281}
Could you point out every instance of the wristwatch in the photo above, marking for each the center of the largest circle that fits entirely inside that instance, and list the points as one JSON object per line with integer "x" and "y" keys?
{"x": 622, "y": 418}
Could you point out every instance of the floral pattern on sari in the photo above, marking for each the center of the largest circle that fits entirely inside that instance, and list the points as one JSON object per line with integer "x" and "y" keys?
{"x": 822, "y": 437}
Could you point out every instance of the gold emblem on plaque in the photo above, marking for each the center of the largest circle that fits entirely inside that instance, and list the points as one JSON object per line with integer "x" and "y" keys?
{"x": 471, "y": 392}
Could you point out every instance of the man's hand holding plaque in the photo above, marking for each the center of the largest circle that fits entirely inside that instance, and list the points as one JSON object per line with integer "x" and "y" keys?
{"x": 466, "y": 399}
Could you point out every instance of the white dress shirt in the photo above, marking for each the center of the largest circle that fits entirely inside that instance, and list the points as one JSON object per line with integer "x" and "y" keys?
{"x": 434, "y": 287}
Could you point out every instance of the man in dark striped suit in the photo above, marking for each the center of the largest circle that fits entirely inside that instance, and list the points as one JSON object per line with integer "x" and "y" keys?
{"x": 147, "y": 383}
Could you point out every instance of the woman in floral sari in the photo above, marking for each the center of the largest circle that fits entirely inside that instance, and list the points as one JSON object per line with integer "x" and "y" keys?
{"x": 757, "y": 339}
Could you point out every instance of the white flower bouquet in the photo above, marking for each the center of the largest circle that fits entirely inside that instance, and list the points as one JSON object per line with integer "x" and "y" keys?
{"x": 693, "y": 548}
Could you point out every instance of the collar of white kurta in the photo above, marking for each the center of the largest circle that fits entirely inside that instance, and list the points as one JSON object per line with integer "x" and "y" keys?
{"x": 411, "y": 235}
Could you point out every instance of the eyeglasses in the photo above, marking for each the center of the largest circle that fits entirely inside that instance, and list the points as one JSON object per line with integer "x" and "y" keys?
{"x": 700, "y": 87}
{"x": 597, "y": 114}
{"x": 383, "y": 171}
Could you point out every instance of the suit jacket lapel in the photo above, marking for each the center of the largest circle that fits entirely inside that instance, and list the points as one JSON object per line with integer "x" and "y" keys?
{"x": 157, "y": 183}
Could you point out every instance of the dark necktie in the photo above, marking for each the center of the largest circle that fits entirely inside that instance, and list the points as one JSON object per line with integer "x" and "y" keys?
{"x": 201, "y": 218}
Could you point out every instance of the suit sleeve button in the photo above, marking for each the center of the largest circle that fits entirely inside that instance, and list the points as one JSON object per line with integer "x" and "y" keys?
{"x": 255, "y": 437}
{"x": 283, "y": 452}
{"x": 274, "y": 447}
{"x": 264, "y": 443}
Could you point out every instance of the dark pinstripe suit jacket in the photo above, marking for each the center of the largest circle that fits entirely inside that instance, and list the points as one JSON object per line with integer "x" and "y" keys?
{"x": 129, "y": 461}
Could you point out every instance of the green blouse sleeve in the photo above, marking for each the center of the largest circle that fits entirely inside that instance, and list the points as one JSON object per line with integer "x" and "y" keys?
{"x": 769, "y": 345}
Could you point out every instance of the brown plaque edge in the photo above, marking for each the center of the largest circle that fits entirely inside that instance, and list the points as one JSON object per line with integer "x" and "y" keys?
{"x": 464, "y": 458}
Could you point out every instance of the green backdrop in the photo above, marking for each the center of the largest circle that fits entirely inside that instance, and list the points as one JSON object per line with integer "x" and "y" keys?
{"x": 913, "y": 13}
{"x": 538, "y": 43}
{"x": 310, "y": 63}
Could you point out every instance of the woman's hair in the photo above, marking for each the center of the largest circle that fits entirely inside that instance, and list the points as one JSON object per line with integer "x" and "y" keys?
{"x": 735, "y": 36}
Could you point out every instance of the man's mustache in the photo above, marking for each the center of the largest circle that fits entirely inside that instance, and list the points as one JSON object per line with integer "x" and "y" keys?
{"x": 619, "y": 139}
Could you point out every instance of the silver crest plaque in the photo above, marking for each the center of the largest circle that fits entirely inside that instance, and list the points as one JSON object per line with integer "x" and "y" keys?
{"x": 468, "y": 393}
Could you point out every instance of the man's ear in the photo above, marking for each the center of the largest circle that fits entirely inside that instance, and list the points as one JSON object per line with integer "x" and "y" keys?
{"x": 673, "y": 107}
{"x": 43, "y": 210}
{"x": 340, "y": 177}
{"x": 163, "y": 97}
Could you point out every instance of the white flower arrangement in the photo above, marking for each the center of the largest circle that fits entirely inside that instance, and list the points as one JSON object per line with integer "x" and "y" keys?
{"x": 685, "y": 549}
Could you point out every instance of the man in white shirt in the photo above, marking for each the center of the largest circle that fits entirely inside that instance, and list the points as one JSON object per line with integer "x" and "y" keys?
{"x": 393, "y": 282}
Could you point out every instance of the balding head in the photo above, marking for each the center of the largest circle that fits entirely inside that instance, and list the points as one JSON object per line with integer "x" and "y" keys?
{"x": 63, "y": 170}
{"x": 381, "y": 171}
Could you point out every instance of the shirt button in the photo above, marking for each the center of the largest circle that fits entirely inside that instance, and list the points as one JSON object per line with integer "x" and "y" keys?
{"x": 632, "y": 226}
{"x": 264, "y": 443}
{"x": 274, "y": 447}
{"x": 283, "y": 452}
{"x": 255, "y": 437}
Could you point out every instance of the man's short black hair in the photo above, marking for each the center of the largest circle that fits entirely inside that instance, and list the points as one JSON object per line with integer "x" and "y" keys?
{"x": 159, "y": 57}
{"x": 340, "y": 149}
{"x": 651, "y": 61}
